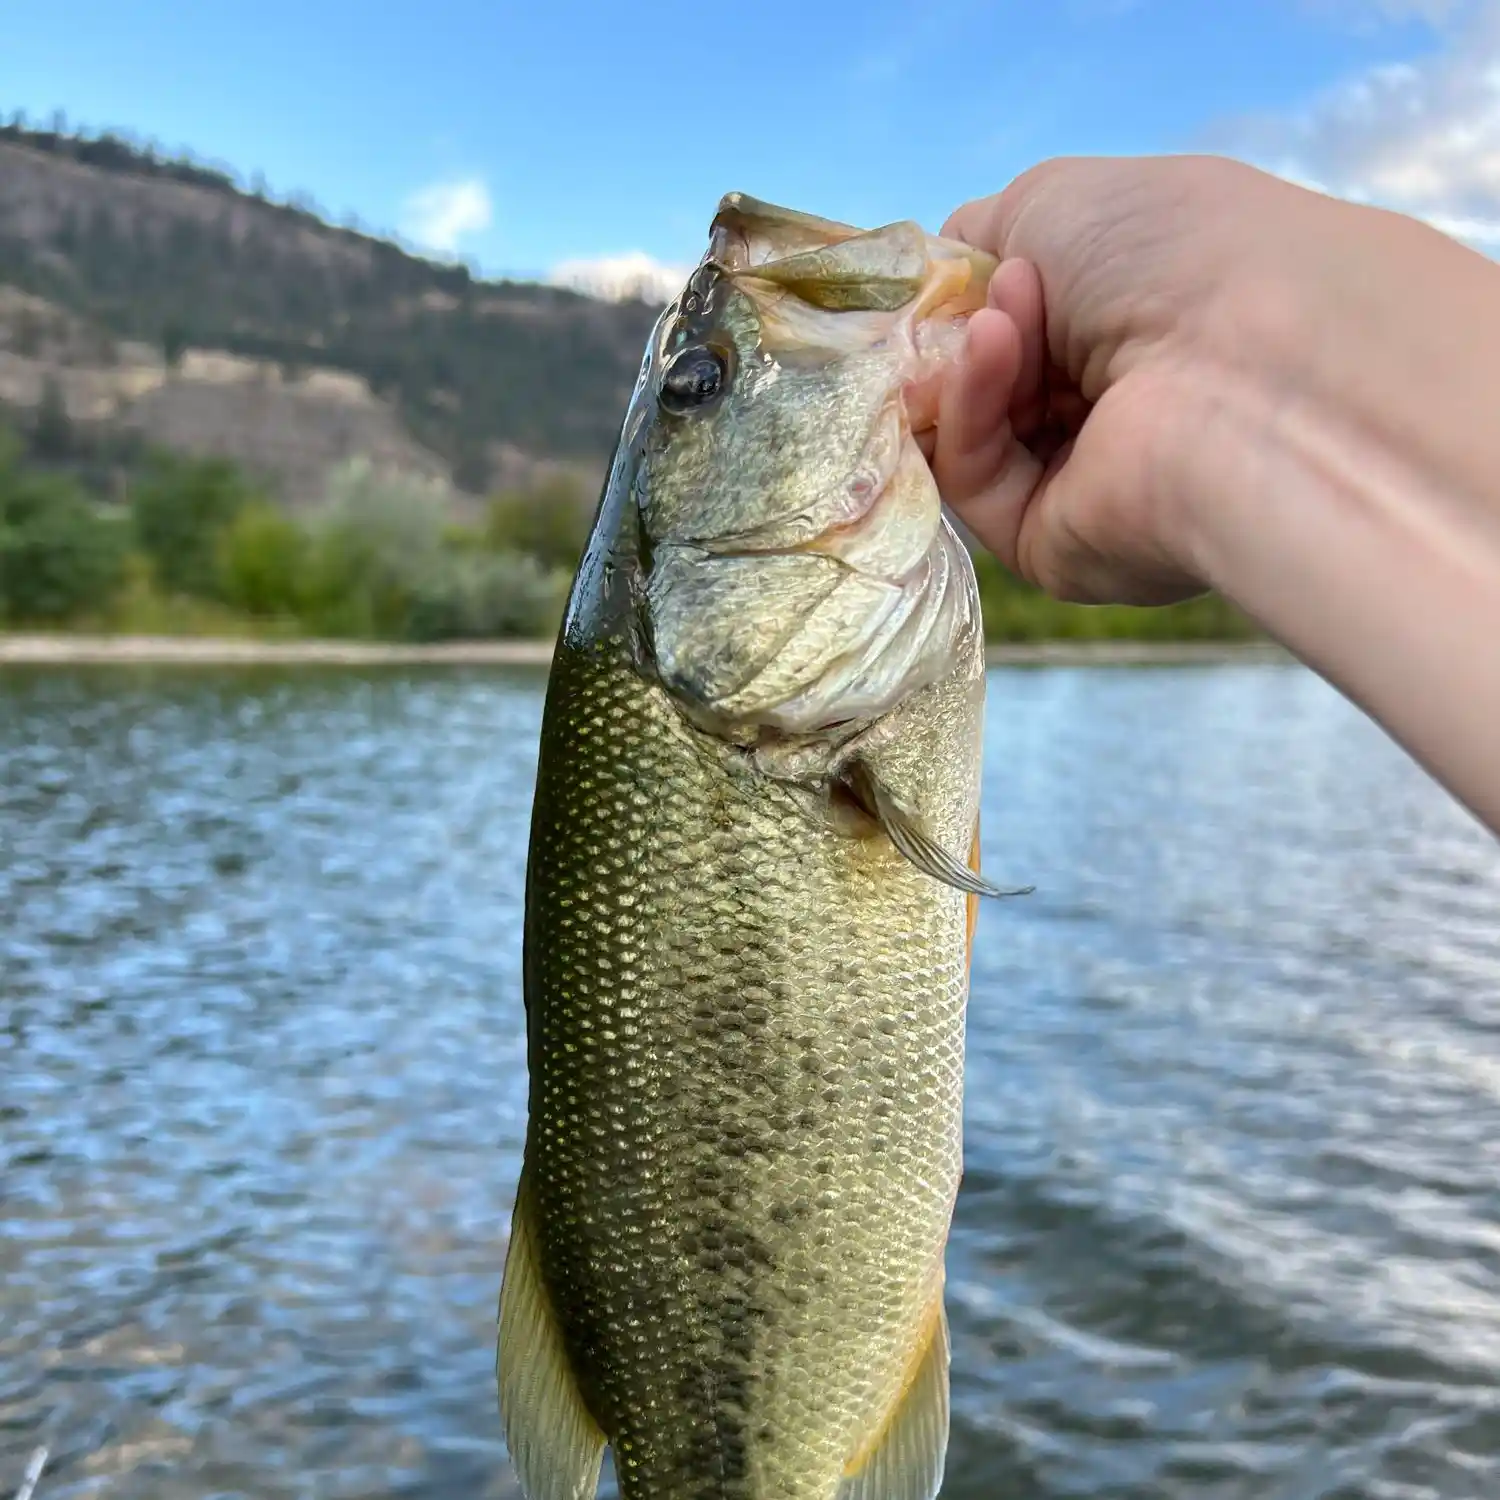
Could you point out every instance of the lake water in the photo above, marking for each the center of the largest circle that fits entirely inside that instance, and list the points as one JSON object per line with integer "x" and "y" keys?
{"x": 1231, "y": 1220}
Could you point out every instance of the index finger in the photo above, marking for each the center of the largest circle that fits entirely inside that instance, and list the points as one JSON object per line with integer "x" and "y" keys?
{"x": 994, "y": 223}
{"x": 977, "y": 223}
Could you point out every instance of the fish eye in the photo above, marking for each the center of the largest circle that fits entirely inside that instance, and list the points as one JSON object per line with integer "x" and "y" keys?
{"x": 694, "y": 379}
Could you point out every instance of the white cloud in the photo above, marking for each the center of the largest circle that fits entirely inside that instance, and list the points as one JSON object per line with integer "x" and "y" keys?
{"x": 1422, "y": 137}
{"x": 440, "y": 215}
{"x": 617, "y": 277}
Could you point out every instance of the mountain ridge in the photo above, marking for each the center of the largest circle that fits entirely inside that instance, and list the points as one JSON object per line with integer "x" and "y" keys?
{"x": 170, "y": 274}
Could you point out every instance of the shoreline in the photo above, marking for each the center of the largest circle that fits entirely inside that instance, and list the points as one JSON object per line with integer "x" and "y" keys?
{"x": 64, "y": 650}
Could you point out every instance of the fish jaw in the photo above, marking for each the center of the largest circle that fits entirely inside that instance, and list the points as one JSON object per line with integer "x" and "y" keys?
{"x": 800, "y": 574}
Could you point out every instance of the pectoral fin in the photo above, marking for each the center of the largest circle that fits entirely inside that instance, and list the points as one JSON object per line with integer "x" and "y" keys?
{"x": 912, "y": 839}
{"x": 906, "y": 1460}
{"x": 555, "y": 1446}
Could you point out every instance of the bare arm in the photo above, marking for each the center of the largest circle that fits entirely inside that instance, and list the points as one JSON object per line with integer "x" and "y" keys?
{"x": 1358, "y": 517}
{"x": 1193, "y": 375}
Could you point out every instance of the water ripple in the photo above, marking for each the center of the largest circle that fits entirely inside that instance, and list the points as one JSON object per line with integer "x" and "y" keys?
{"x": 1231, "y": 1221}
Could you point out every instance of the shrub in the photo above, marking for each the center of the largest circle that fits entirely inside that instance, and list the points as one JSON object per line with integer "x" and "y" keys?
{"x": 549, "y": 522}
{"x": 59, "y": 554}
{"x": 180, "y": 506}
{"x": 263, "y": 562}
{"x": 480, "y": 596}
{"x": 376, "y": 543}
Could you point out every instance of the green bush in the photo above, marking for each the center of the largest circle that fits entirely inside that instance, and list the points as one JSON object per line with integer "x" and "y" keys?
{"x": 384, "y": 556}
{"x": 59, "y": 554}
{"x": 398, "y": 517}
{"x": 375, "y": 545}
{"x": 1016, "y": 611}
{"x": 550, "y": 522}
{"x": 263, "y": 562}
{"x": 181, "y": 505}
{"x": 480, "y": 596}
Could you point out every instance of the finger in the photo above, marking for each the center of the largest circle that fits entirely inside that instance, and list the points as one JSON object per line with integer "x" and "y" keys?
{"x": 981, "y": 470}
{"x": 989, "y": 223}
{"x": 976, "y": 223}
{"x": 1002, "y": 222}
{"x": 1082, "y": 536}
{"x": 1057, "y": 546}
{"x": 1016, "y": 290}
{"x": 995, "y": 514}
{"x": 973, "y": 421}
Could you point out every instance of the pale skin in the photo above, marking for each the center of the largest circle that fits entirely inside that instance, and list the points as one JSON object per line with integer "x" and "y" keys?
{"x": 1194, "y": 375}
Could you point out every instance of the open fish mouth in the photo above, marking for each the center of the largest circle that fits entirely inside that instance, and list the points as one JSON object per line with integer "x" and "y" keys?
{"x": 801, "y": 573}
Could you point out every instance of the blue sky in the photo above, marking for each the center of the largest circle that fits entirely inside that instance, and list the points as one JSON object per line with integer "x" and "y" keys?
{"x": 524, "y": 135}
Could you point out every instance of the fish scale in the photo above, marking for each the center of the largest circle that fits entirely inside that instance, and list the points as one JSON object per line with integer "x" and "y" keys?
{"x": 745, "y": 1136}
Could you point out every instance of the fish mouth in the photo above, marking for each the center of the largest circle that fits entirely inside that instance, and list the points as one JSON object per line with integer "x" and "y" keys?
{"x": 832, "y": 266}
{"x": 826, "y": 612}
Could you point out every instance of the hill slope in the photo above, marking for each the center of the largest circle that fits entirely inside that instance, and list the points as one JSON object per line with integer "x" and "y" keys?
{"x": 137, "y": 261}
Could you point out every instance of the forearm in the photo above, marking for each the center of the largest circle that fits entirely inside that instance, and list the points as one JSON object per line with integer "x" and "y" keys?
{"x": 1356, "y": 511}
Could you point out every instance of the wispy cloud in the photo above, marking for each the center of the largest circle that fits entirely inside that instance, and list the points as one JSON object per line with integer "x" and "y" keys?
{"x": 439, "y": 216}
{"x": 1392, "y": 10}
{"x": 1422, "y": 137}
{"x": 618, "y": 277}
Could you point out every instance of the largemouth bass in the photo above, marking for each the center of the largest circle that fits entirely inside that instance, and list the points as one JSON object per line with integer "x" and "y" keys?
{"x": 750, "y": 891}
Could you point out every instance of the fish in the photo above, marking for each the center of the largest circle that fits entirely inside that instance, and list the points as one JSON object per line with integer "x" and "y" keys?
{"x": 751, "y": 893}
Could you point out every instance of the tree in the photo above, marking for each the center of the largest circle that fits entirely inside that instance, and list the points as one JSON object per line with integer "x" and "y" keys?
{"x": 263, "y": 561}
{"x": 377, "y": 545}
{"x": 59, "y": 555}
{"x": 549, "y": 522}
{"x": 180, "y": 508}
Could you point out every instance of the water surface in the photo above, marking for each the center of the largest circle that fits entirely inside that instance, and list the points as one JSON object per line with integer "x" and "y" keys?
{"x": 1231, "y": 1220}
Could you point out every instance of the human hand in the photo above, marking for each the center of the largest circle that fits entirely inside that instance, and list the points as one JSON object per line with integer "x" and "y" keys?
{"x": 1148, "y": 318}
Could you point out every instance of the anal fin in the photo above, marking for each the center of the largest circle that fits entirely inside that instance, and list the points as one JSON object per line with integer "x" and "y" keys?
{"x": 555, "y": 1445}
{"x": 906, "y": 1460}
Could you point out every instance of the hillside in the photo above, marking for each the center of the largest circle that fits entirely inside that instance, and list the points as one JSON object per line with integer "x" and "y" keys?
{"x": 161, "y": 296}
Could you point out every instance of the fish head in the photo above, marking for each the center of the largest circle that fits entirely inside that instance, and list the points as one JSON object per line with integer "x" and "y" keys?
{"x": 796, "y": 574}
